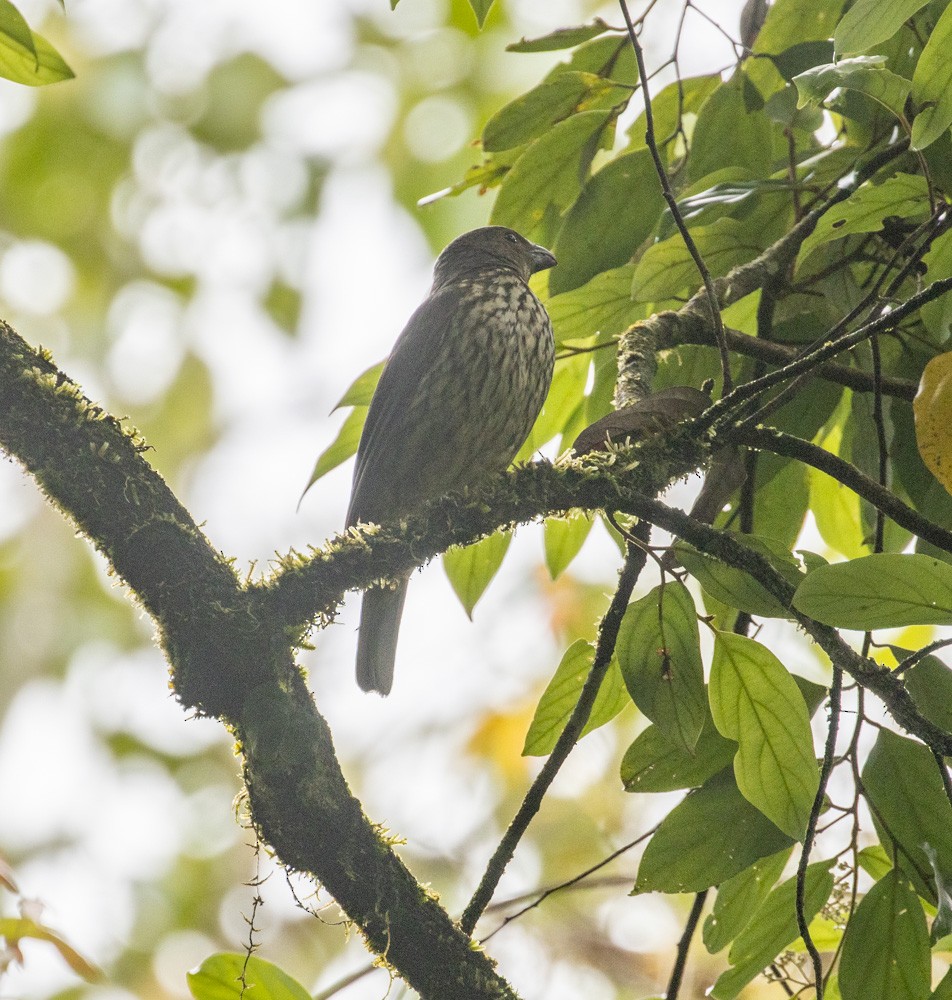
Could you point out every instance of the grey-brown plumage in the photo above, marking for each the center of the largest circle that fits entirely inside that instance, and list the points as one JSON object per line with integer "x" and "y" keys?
{"x": 457, "y": 398}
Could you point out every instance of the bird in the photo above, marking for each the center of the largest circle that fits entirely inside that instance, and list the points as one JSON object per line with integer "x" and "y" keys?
{"x": 457, "y": 398}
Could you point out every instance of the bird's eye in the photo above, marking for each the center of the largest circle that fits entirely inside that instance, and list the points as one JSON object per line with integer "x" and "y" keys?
{"x": 512, "y": 237}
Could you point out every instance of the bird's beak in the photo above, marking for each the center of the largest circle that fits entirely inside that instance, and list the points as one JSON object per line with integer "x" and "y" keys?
{"x": 542, "y": 259}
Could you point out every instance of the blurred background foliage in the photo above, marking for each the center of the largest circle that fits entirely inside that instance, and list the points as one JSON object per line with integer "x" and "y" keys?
{"x": 214, "y": 227}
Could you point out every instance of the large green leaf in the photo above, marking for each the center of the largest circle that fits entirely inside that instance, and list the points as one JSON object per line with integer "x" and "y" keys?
{"x": 561, "y": 38}
{"x": 886, "y": 946}
{"x": 564, "y": 537}
{"x": 738, "y": 898}
{"x": 903, "y": 195}
{"x": 709, "y": 837}
{"x": 654, "y": 764}
{"x": 560, "y": 697}
{"x": 725, "y": 113}
{"x": 930, "y": 684}
{"x": 864, "y": 74}
{"x": 548, "y": 177}
{"x": 471, "y": 568}
{"x": 230, "y": 976}
{"x": 734, "y": 587}
{"x": 660, "y": 656}
{"x": 615, "y": 213}
{"x": 601, "y": 308}
{"x": 909, "y": 807}
{"x": 667, "y": 269}
{"x": 869, "y": 22}
{"x": 884, "y": 590}
{"x": 932, "y": 85}
{"x": 772, "y": 928}
{"x": 756, "y": 702}
{"x": 537, "y": 110}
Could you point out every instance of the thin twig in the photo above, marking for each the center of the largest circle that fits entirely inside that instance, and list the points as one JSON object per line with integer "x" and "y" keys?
{"x": 681, "y": 958}
{"x": 635, "y": 559}
{"x": 672, "y": 202}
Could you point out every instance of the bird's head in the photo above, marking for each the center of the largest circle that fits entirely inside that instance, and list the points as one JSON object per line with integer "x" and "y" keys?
{"x": 491, "y": 247}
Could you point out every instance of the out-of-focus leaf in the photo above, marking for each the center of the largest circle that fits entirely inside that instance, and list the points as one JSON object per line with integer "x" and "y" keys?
{"x": 341, "y": 448}
{"x": 654, "y": 764}
{"x": 738, "y": 899}
{"x": 220, "y": 977}
{"x": 613, "y": 216}
{"x": 561, "y": 696}
{"x": 14, "y": 929}
{"x": 709, "y": 837}
{"x": 548, "y": 176}
{"x": 659, "y": 652}
{"x": 361, "y": 390}
{"x": 33, "y": 64}
{"x": 756, "y": 702}
{"x": 564, "y": 537}
{"x": 283, "y": 303}
{"x": 864, "y": 74}
{"x": 884, "y": 590}
{"x": 471, "y": 568}
{"x": 910, "y": 806}
{"x": 772, "y": 928}
{"x": 561, "y": 38}
{"x": 932, "y": 408}
{"x": 869, "y": 22}
{"x": 481, "y": 10}
{"x": 667, "y": 269}
{"x": 903, "y": 195}
{"x": 602, "y": 307}
{"x": 886, "y": 947}
{"x": 234, "y": 94}
{"x": 932, "y": 85}
{"x": 944, "y": 990}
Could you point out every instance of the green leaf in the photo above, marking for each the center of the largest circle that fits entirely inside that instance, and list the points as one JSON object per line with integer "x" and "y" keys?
{"x": 734, "y": 587}
{"x": 756, "y": 702}
{"x": 869, "y": 22}
{"x": 561, "y": 38}
{"x": 885, "y": 590}
{"x": 659, "y": 652}
{"x": 564, "y": 537}
{"x": 362, "y": 388}
{"x": 802, "y": 56}
{"x": 653, "y": 764}
{"x": 707, "y": 838}
{"x": 864, "y": 74}
{"x": 562, "y": 694}
{"x": 219, "y": 977}
{"x": 13, "y": 929}
{"x": 33, "y": 64}
{"x": 615, "y": 213}
{"x": 536, "y": 111}
{"x": 725, "y": 113}
{"x": 481, "y": 10}
{"x": 930, "y": 684}
{"x": 937, "y": 316}
{"x": 601, "y": 308}
{"x": 548, "y": 176}
{"x": 738, "y": 898}
{"x": 886, "y": 946}
{"x": 932, "y": 85}
{"x": 942, "y": 923}
{"x": 909, "y": 806}
{"x": 772, "y": 928}
{"x": 944, "y": 990}
{"x": 471, "y": 568}
{"x": 667, "y": 268}
{"x": 342, "y": 447}
{"x": 903, "y": 195}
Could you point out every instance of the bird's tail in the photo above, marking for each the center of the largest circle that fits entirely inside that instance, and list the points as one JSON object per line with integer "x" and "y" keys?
{"x": 377, "y": 638}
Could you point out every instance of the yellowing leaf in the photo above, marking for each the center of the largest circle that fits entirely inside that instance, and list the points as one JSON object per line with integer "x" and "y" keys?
{"x": 932, "y": 409}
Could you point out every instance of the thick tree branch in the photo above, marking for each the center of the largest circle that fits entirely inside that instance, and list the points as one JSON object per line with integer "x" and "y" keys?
{"x": 229, "y": 661}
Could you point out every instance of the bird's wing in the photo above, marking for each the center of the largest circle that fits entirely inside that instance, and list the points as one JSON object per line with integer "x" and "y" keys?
{"x": 382, "y": 457}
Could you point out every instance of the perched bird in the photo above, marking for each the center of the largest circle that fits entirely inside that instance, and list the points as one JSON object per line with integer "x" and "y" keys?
{"x": 457, "y": 398}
